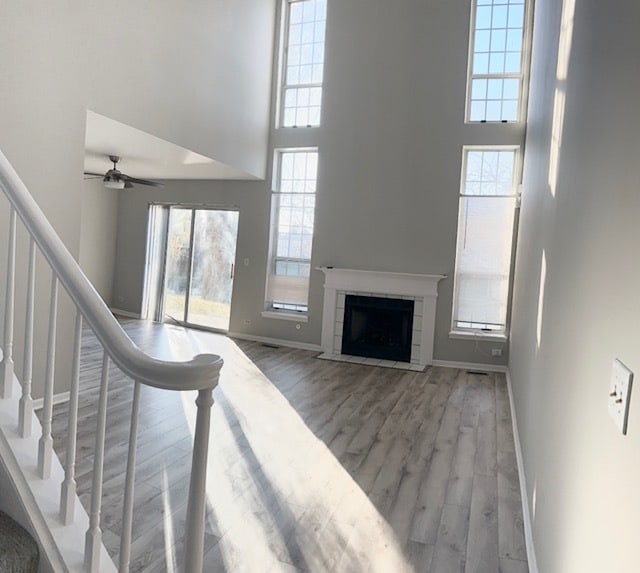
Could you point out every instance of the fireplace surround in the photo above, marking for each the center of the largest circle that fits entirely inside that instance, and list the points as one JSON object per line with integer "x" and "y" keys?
{"x": 421, "y": 290}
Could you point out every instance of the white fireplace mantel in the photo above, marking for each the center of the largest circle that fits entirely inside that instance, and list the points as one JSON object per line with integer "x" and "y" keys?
{"x": 423, "y": 289}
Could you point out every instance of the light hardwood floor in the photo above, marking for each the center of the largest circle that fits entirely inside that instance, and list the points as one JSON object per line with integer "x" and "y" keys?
{"x": 315, "y": 466}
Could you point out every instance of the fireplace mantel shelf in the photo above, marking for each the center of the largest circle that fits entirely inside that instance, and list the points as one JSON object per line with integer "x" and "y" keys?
{"x": 329, "y": 270}
{"x": 407, "y": 284}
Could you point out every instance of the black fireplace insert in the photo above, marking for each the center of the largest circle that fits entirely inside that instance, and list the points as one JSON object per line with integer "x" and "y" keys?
{"x": 377, "y": 327}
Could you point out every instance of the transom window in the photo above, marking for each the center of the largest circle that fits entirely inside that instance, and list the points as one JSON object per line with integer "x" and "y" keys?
{"x": 294, "y": 209}
{"x": 303, "y": 43}
{"x": 496, "y": 63}
{"x": 485, "y": 233}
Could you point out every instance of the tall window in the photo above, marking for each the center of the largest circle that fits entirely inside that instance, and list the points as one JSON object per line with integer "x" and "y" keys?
{"x": 293, "y": 207}
{"x": 303, "y": 62}
{"x": 485, "y": 232}
{"x": 495, "y": 84}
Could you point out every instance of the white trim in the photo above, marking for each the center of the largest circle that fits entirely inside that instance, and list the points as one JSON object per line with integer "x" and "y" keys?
{"x": 60, "y": 398}
{"x": 276, "y": 341}
{"x": 126, "y": 313}
{"x": 400, "y": 284}
{"x": 477, "y": 335}
{"x": 471, "y": 366}
{"x": 526, "y": 515}
{"x": 285, "y": 315}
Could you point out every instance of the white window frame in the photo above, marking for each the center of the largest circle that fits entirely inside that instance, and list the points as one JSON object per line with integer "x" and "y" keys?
{"x": 271, "y": 311}
{"x": 282, "y": 71}
{"x": 473, "y": 332}
{"x": 523, "y": 76}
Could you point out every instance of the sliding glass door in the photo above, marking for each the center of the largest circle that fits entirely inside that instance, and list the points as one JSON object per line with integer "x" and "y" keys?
{"x": 199, "y": 266}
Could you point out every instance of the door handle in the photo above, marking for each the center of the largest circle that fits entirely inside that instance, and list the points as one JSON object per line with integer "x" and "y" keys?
{"x": 233, "y": 268}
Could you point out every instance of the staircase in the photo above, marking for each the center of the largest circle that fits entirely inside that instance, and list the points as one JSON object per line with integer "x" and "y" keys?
{"x": 69, "y": 538}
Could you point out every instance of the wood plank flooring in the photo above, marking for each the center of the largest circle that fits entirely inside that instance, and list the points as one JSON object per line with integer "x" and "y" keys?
{"x": 314, "y": 466}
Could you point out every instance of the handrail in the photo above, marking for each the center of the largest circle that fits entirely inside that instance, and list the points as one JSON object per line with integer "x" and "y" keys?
{"x": 199, "y": 373}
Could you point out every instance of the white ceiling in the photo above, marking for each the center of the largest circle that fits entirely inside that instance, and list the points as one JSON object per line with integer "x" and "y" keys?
{"x": 146, "y": 156}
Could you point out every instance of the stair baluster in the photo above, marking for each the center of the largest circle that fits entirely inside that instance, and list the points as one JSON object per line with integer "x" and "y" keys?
{"x": 6, "y": 366}
{"x": 68, "y": 487}
{"x": 26, "y": 403}
{"x": 93, "y": 539}
{"x": 45, "y": 451}
{"x": 127, "y": 510}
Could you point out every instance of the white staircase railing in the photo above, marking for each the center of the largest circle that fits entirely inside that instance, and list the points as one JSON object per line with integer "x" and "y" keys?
{"x": 201, "y": 374}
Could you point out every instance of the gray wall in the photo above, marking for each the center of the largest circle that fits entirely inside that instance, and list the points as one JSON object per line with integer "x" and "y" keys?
{"x": 582, "y": 474}
{"x": 98, "y": 227}
{"x": 198, "y": 77}
{"x": 389, "y": 173}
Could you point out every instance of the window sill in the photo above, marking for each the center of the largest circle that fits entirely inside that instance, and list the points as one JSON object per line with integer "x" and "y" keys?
{"x": 477, "y": 335}
{"x": 517, "y": 122}
{"x": 284, "y": 315}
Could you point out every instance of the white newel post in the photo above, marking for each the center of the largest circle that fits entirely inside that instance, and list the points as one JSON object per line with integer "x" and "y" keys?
{"x": 194, "y": 537}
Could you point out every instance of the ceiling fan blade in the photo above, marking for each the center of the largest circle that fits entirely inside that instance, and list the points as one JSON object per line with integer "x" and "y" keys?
{"x": 142, "y": 181}
{"x": 94, "y": 174}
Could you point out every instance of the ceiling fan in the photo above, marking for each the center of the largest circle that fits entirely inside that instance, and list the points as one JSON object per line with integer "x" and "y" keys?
{"x": 115, "y": 179}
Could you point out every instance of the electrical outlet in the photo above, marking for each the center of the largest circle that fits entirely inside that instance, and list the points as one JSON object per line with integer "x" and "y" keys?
{"x": 619, "y": 394}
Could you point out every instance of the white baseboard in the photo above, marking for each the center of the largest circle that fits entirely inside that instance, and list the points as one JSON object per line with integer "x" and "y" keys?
{"x": 470, "y": 366}
{"x": 125, "y": 313}
{"x": 526, "y": 514}
{"x": 60, "y": 398}
{"x": 276, "y": 341}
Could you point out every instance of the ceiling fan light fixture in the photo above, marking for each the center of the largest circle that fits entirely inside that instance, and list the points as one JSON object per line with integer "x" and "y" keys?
{"x": 115, "y": 179}
{"x": 114, "y": 184}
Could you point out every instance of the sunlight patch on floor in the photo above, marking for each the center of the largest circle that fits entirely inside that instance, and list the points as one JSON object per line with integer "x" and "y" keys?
{"x": 278, "y": 496}
{"x": 169, "y": 541}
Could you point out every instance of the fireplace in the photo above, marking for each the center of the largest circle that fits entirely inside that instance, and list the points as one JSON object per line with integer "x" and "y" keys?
{"x": 420, "y": 291}
{"x": 377, "y": 327}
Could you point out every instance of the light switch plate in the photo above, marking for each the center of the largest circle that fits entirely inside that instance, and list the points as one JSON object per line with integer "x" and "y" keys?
{"x": 619, "y": 394}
